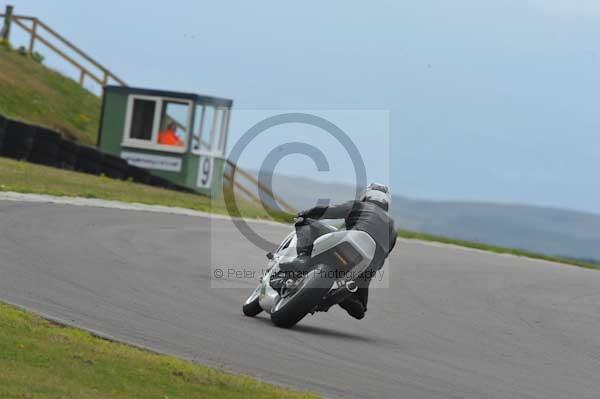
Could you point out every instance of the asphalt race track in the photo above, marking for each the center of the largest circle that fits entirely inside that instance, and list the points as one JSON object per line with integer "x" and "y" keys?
{"x": 453, "y": 324}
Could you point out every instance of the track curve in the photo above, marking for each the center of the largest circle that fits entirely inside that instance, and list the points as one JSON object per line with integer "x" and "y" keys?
{"x": 453, "y": 324}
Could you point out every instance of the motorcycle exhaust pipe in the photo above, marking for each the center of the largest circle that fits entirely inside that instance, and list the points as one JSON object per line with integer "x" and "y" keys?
{"x": 340, "y": 294}
{"x": 352, "y": 286}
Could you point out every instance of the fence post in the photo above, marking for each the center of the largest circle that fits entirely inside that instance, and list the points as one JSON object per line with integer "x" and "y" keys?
{"x": 5, "y": 33}
{"x": 105, "y": 79}
{"x": 33, "y": 34}
{"x": 81, "y": 77}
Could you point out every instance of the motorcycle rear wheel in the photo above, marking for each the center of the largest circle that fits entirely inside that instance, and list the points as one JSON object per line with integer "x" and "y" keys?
{"x": 307, "y": 296}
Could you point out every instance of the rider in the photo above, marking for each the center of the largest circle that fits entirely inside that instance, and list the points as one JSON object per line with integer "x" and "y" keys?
{"x": 370, "y": 215}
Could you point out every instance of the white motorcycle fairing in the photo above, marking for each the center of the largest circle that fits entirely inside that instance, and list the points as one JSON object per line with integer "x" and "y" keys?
{"x": 350, "y": 251}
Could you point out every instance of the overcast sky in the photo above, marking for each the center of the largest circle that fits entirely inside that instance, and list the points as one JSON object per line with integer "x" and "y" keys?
{"x": 487, "y": 100}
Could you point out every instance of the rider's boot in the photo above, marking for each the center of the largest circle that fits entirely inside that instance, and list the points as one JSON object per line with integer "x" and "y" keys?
{"x": 299, "y": 263}
{"x": 354, "y": 307}
{"x": 363, "y": 295}
{"x": 356, "y": 304}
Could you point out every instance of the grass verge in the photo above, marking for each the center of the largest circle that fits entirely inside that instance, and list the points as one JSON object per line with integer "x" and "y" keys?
{"x": 24, "y": 177}
{"x": 496, "y": 249}
{"x": 40, "y": 359}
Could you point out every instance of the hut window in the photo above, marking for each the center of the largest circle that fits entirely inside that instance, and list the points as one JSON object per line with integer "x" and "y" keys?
{"x": 157, "y": 123}
{"x": 174, "y": 118}
{"x": 142, "y": 119}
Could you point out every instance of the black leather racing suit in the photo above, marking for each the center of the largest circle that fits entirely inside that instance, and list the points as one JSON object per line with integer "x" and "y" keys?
{"x": 358, "y": 215}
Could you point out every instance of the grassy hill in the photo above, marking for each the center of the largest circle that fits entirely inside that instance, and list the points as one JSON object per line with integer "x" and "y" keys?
{"x": 33, "y": 93}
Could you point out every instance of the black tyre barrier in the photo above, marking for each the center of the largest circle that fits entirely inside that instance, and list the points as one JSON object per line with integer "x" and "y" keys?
{"x": 138, "y": 175}
{"x": 46, "y": 147}
{"x": 67, "y": 156}
{"x": 18, "y": 139}
{"x": 114, "y": 167}
{"x": 157, "y": 181}
{"x": 89, "y": 160}
{"x": 3, "y": 121}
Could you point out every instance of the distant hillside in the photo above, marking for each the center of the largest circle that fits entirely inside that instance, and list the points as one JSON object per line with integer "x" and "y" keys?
{"x": 545, "y": 230}
{"x": 31, "y": 92}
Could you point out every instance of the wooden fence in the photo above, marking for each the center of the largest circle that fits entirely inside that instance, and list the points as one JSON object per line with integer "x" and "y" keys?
{"x": 40, "y": 32}
{"x": 233, "y": 177}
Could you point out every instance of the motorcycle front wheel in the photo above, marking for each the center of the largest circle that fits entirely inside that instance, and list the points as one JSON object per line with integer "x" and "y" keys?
{"x": 305, "y": 297}
{"x": 251, "y": 307}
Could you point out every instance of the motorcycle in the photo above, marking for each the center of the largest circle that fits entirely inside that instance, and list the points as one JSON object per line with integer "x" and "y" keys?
{"x": 338, "y": 257}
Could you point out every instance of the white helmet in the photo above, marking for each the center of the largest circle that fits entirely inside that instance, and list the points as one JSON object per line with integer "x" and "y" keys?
{"x": 378, "y": 194}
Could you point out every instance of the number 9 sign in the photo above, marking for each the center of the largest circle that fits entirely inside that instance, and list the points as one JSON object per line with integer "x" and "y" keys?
{"x": 205, "y": 167}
